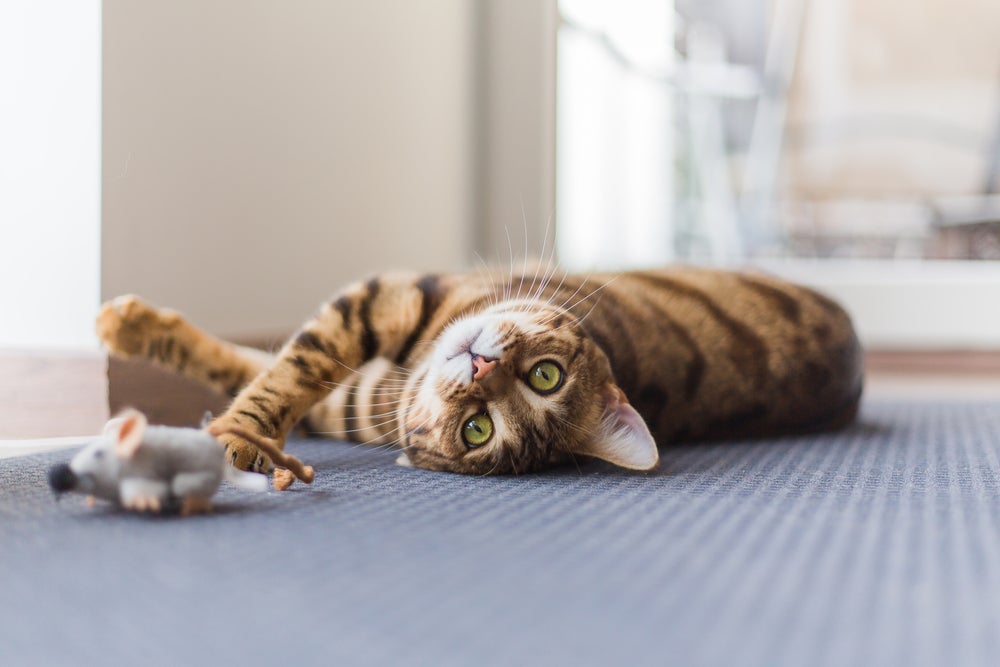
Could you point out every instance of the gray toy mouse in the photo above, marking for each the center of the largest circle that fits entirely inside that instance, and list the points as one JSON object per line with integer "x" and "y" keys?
{"x": 154, "y": 468}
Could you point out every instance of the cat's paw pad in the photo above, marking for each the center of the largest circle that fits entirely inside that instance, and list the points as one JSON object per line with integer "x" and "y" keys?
{"x": 243, "y": 455}
{"x": 127, "y": 323}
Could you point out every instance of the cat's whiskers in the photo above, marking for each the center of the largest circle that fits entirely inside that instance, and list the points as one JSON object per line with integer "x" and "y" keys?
{"x": 386, "y": 385}
{"x": 380, "y": 404}
{"x": 494, "y": 296}
{"x": 399, "y": 439}
{"x": 548, "y": 280}
{"x": 394, "y": 369}
{"x": 580, "y": 320}
{"x": 551, "y": 266}
{"x": 576, "y": 464}
{"x": 490, "y": 471}
{"x": 360, "y": 428}
{"x": 589, "y": 295}
{"x": 510, "y": 255}
{"x": 510, "y": 455}
{"x": 388, "y": 388}
{"x": 562, "y": 306}
{"x": 377, "y": 415}
{"x": 576, "y": 427}
{"x": 524, "y": 256}
{"x": 531, "y": 288}
{"x": 384, "y": 382}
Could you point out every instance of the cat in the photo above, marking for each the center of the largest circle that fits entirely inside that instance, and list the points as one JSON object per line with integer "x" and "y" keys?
{"x": 471, "y": 375}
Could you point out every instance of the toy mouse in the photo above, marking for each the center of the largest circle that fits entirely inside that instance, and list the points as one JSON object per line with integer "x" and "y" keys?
{"x": 154, "y": 468}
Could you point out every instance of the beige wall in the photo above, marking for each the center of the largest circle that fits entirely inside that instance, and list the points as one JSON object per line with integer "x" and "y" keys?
{"x": 257, "y": 155}
{"x": 516, "y": 89}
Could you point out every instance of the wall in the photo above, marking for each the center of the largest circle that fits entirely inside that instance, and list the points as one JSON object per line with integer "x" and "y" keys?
{"x": 257, "y": 155}
{"x": 515, "y": 136}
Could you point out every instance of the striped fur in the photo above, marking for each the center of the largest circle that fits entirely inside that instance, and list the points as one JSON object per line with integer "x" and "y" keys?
{"x": 699, "y": 354}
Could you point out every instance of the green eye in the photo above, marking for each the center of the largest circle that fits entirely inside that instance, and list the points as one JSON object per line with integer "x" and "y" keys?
{"x": 477, "y": 431}
{"x": 545, "y": 377}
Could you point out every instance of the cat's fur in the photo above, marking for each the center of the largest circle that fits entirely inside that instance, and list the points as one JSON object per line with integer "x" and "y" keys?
{"x": 409, "y": 360}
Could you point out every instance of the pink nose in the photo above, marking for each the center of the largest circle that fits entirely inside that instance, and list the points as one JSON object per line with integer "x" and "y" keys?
{"x": 482, "y": 366}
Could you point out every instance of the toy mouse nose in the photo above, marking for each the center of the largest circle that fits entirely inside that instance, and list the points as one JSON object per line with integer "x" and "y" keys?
{"x": 481, "y": 367}
{"x": 62, "y": 478}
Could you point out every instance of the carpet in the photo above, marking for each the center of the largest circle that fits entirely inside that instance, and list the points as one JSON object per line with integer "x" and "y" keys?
{"x": 877, "y": 545}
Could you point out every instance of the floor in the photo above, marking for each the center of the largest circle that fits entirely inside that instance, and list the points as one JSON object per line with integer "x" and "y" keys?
{"x": 52, "y": 400}
{"x": 875, "y": 545}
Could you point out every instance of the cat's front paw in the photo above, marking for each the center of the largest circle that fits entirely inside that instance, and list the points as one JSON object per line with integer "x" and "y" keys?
{"x": 127, "y": 324}
{"x": 244, "y": 455}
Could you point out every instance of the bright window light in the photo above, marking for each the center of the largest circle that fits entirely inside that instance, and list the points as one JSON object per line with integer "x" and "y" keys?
{"x": 50, "y": 59}
{"x": 614, "y": 126}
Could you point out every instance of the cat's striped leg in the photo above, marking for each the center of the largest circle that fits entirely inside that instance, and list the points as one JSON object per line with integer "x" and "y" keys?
{"x": 384, "y": 317}
{"x": 133, "y": 329}
{"x": 360, "y": 409}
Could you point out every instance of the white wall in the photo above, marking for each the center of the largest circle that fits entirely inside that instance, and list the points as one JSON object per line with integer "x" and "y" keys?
{"x": 257, "y": 154}
{"x": 49, "y": 171}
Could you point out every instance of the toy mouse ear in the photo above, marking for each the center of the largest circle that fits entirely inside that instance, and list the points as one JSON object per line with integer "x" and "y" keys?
{"x": 131, "y": 428}
{"x": 113, "y": 425}
{"x": 622, "y": 438}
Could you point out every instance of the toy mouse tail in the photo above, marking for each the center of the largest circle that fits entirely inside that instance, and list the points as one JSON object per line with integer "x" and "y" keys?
{"x": 248, "y": 481}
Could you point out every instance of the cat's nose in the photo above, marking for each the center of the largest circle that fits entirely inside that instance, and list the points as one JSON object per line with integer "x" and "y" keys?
{"x": 481, "y": 367}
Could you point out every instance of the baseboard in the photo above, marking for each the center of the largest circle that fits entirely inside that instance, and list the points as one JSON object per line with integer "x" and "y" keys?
{"x": 48, "y": 394}
{"x": 933, "y": 362}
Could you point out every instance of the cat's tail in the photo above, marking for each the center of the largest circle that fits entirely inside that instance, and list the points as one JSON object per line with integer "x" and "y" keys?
{"x": 133, "y": 329}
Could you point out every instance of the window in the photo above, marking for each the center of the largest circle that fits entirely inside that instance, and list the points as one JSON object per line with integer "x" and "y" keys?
{"x": 49, "y": 172}
{"x": 823, "y": 141}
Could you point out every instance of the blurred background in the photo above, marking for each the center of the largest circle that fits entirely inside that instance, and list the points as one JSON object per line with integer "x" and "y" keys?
{"x": 240, "y": 160}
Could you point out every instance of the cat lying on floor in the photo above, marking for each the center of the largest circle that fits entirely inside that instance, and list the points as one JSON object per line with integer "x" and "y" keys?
{"x": 470, "y": 375}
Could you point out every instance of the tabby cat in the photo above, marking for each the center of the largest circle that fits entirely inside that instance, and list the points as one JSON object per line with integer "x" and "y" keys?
{"x": 471, "y": 375}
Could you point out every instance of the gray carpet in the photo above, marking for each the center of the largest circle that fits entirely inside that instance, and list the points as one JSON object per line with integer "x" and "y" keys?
{"x": 877, "y": 546}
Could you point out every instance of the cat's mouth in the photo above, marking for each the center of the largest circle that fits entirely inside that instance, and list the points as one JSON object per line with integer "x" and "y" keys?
{"x": 471, "y": 349}
{"x": 481, "y": 365}
{"x": 466, "y": 345}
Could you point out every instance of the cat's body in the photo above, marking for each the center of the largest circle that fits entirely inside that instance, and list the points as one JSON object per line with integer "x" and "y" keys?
{"x": 471, "y": 375}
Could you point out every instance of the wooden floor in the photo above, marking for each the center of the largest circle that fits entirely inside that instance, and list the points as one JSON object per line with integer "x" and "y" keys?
{"x": 58, "y": 399}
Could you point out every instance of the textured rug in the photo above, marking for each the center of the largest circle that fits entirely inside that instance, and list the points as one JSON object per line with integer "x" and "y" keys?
{"x": 879, "y": 545}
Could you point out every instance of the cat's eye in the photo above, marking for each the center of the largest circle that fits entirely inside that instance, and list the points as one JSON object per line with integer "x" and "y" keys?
{"x": 477, "y": 430}
{"x": 545, "y": 377}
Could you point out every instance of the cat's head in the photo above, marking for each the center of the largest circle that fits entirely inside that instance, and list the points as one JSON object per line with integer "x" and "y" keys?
{"x": 515, "y": 388}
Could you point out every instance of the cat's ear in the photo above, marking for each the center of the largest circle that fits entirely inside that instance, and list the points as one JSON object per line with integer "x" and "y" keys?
{"x": 622, "y": 438}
